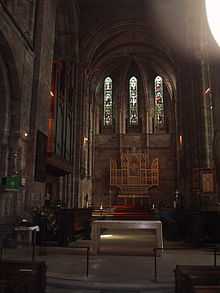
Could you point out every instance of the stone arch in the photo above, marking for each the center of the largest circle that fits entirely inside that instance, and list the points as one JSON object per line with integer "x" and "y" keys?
{"x": 147, "y": 65}
{"x": 112, "y": 50}
{"x": 111, "y": 47}
{"x": 66, "y": 41}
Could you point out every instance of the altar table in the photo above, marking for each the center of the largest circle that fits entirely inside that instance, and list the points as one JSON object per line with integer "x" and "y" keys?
{"x": 98, "y": 225}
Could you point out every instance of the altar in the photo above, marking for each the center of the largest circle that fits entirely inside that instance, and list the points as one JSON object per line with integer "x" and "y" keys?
{"x": 99, "y": 225}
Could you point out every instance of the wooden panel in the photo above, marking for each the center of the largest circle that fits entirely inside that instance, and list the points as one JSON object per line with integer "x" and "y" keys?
{"x": 23, "y": 276}
{"x": 203, "y": 180}
{"x": 134, "y": 171}
{"x": 186, "y": 277}
{"x": 207, "y": 182}
{"x": 41, "y": 153}
{"x": 206, "y": 289}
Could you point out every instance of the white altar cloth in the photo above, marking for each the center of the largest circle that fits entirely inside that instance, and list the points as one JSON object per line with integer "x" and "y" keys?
{"x": 118, "y": 224}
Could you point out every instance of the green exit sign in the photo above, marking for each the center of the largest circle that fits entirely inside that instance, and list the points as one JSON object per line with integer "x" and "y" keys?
{"x": 12, "y": 183}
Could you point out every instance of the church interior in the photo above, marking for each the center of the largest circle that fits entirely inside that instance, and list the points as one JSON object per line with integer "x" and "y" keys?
{"x": 109, "y": 145}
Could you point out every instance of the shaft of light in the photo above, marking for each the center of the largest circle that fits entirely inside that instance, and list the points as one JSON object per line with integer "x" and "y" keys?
{"x": 213, "y": 16}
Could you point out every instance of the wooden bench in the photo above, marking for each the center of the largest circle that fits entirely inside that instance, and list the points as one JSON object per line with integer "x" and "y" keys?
{"x": 187, "y": 277}
{"x": 206, "y": 289}
{"x": 22, "y": 276}
{"x": 7, "y": 239}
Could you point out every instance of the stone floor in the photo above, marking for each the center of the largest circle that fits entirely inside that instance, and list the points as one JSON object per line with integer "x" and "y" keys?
{"x": 62, "y": 290}
{"x": 124, "y": 265}
{"x": 111, "y": 273}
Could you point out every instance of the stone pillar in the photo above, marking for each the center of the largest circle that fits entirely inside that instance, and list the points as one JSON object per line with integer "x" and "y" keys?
{"x": 188, "y": 107}
{"x": 44, "y": 49}
{"x": 215, "y": 73}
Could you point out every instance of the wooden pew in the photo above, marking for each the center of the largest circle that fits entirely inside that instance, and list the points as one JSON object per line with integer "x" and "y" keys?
{"x": 206, "y": 289}
{"x": 21, "y": 276}
{"x": 187, "y": 277}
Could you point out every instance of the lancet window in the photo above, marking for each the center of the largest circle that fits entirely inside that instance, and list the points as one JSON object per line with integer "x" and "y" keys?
{"x": 159, "y": 103}
{"x": 108, "y": 102}
{"x": 133, "y": 101}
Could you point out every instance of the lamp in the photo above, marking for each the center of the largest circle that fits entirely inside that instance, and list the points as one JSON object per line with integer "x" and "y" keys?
{"x": 212, "y": 12}
{"x": 85, "y": 140}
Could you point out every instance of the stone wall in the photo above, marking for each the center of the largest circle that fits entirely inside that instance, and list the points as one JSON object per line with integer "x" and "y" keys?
{"x": 160, "y": 146}
{"x": 23, "y": 14}
{"x": 24, "y": 64}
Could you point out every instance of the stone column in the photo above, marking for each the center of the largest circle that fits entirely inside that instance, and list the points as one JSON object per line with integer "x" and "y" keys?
{"x": 43, "y": 51}
{"x": 215, "y": 73}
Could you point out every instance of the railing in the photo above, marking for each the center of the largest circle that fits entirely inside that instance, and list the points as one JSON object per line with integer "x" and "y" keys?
{"x": 156, "y": 252}
{"x": 87, "y": 248}
{"x": 214, "y": 249}
{"x": 87, "y": 257}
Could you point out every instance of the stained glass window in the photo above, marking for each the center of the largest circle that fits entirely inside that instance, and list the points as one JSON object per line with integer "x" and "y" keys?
{"x": 159, "y": 103}
{"x": 133, "y": 101}
{"x": 108, "y": 115}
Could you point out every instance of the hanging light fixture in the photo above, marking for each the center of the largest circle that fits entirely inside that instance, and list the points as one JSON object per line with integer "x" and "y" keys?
{"x": 212, "y": 12}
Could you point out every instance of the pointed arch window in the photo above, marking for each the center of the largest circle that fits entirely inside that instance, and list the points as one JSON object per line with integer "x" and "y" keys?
{"x": 108, "y": 102}
{"x": 133, "y": 101}
{"x": 159, "y": 103}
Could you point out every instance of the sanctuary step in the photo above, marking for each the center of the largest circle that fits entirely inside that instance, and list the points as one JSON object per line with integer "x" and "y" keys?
{"x": 123, "y": 212}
